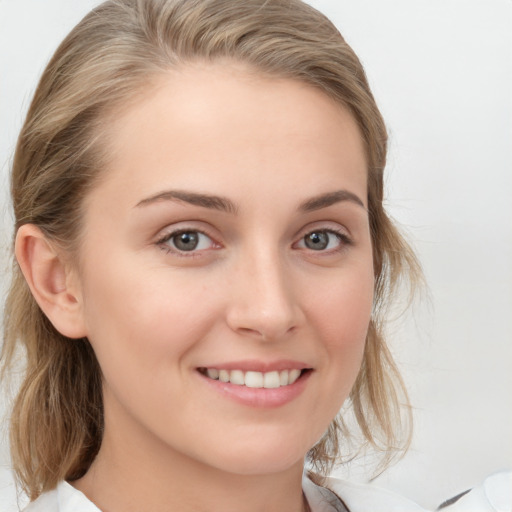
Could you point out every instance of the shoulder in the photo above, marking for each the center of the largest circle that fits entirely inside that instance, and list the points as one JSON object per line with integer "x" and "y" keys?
{"x": 65, "y": 498}
{"x": 365, "y": 497}
{"x": 46, "y": 502}
{"x": 495, "y": 493}
{"x": 352, "y": 497}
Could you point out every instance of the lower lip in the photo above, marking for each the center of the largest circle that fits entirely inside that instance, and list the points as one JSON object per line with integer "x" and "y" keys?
{"x": 259, "y": 397}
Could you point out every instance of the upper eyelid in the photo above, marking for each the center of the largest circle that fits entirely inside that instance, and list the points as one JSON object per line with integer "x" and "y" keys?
{"x": 339, "y": 233}
{"x": 329, "y": 226}
{"x": 176, "y": 231}
{"x": 184, "y": 226}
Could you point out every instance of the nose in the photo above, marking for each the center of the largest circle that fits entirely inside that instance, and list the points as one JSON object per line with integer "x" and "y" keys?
{"x": 263, "y": 302}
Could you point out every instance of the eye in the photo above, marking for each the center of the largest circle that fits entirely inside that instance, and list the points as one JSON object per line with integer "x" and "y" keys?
{"x": 323, "y": 240}
{"x": 186, "y": 241}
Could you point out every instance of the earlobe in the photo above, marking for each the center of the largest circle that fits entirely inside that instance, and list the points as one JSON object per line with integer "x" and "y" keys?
{"x": 50, "y": 280}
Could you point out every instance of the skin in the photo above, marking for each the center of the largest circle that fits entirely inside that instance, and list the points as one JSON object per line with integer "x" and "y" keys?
{"x": 253, "y": 290}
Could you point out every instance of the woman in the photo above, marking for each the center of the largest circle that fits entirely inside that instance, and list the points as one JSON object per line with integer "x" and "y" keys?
{"x": 203, "y": 264}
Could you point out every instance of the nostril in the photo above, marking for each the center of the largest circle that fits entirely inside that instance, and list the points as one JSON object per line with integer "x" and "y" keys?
{"x": 247, "y": 330}
{"x": 266, "y": 333}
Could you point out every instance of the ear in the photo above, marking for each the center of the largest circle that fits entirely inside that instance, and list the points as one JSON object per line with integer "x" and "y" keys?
{"x": 53, "y": 284}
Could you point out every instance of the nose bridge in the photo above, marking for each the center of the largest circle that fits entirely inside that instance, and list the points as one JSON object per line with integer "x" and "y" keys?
{"x": 263, "y": 303}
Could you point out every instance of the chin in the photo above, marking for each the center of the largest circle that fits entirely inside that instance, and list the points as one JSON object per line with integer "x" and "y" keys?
{"x": 260, "y": 466}
{"x": 261, "y": 457}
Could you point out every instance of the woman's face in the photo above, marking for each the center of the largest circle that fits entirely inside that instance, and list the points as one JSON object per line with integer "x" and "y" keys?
{"x": 228, "y": 240}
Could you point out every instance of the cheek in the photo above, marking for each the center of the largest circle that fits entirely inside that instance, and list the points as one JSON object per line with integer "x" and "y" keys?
{"x": 340, "y": 311}
{"x": 139, "y": 319}
{"x": 144, "y": 327}
{"x": 342, "y": 307}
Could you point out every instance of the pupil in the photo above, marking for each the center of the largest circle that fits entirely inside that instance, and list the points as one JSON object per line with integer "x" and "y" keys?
{"x": 186, "y": 241}
{"x": 317, "y": 240}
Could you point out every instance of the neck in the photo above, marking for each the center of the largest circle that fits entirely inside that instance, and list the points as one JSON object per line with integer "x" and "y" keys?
{"x": 159, "y": 478}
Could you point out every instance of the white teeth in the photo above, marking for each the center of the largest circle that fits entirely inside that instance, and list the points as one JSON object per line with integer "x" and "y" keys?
{"x": 254, "y": 379}
{"x": 251, "y": 379}
{"x": 271, "y": 380}
{"x": 293, "y": 376}
{"x": 212, "y": 373}
{"x": 237, "y": 377}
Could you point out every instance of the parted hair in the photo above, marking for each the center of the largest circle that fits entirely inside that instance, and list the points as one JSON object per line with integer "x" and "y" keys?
{"x": 109, "y": 58}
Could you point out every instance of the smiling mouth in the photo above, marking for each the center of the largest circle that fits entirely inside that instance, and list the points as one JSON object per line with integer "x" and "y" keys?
{"x": 250, "y": 379}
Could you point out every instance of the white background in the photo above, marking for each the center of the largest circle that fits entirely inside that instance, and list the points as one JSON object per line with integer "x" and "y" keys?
{"x": 441, "y": 71}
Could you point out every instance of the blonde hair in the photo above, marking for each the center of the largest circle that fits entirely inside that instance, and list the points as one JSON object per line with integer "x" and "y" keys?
{"x": 107, "y": 59}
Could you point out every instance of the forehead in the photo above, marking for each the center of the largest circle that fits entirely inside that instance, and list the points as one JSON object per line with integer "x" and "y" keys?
{"x": 203, "y": 123}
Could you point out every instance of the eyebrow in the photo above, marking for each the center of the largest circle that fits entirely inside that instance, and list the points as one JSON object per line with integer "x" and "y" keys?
{"x": 325, "y": 200}
{"x": 205, "y": 200}
{"x": 226, "y": 205}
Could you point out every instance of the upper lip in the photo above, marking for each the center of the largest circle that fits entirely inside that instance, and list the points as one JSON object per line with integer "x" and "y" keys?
{"x": 259, "y": 366}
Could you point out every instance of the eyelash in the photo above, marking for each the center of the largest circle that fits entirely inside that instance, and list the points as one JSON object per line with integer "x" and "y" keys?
{"x": 162, "y": 243}
{"x": 343, "y": 238}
